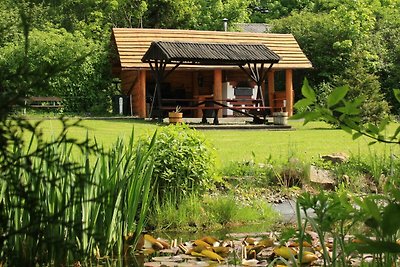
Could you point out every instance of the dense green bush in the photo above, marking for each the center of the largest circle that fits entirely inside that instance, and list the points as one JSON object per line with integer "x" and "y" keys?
{"x": 345, "y": 48}
{"x": 184, "y": 162}
{"x": 81, "y": 78}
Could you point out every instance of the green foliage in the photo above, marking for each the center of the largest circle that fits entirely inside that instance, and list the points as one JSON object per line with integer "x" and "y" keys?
{"x": 185, "y": 162}
{"x": 56, "y": 208}
{"x": 92, "y": 18}
{"x": 346, "y": 48}
{"x": 346, "y": 114}
{"x": 250, "y": 173}
{"x": 223, "y": 208}
{"x": 213, "y": 12}
{"x": 378, "y": 213}
{"x": 336, "y": 216}
{"x": 8, "y": 23}
{"x": 293, "y": 173}
{"x": 364, "y": 173}
{"x": 209, "y": 212}
{"x": 257, "y": 210}
{"x": 195, "y": 14}
{"x": 171, "y": 14}
{"x": 389, "y": 30}
{"x": 265, "y": 10}
{"x": 59, "y": 208}
{"x": 129, "y": 13}
{"x": 80, "y": 77}
{"x": 185, "y": 215}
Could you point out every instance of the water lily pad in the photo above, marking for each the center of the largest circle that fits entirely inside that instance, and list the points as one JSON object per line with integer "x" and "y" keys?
{"x": 193, "y": 264}
{"x": 152, "y": 264}
{"x": 168, "y": 259}
{"x": 172, "y": 251}
{"x": 187, "y": 257}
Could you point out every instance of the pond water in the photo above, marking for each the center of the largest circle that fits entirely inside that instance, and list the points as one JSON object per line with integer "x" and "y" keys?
{"x": 287, "y": 213}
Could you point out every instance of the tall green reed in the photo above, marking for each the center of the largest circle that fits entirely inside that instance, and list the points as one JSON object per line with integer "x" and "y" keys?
{"x": 59, "y": 205}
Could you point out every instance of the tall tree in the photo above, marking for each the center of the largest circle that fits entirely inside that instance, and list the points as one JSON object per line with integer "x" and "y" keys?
{"x": 265, "y": 10}
{"x": 195, "y": 14}
{"x": 341, "y": 45}
{"x": 214, "y": 11}
{"x": 129, "y": 13}
{"x": 174, "y": 14}
{"x": 388, "y": 29}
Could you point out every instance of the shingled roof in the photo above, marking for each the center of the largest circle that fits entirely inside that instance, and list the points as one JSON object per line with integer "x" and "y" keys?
{"x": 132, "y": 44}
{"x": 209, "y": 53}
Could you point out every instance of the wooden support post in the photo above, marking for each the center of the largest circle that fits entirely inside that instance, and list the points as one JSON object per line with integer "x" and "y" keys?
{"x": 264, "y": 92}
{"x": 137, "y": 92}
{"x": 218, "y": 87}
{"x": 289, "y": 91}
{"x": 196, "y": 92}
{"x": 141, "y": 95}
{"x": 271, "y": 89}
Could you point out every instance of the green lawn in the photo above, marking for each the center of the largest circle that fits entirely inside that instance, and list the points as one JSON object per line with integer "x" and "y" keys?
{"x": 305, "y": 142}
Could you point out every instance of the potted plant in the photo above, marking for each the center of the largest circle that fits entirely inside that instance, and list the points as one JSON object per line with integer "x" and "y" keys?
{"x": 176, "y": 115}
{"x": 280, "y": 118}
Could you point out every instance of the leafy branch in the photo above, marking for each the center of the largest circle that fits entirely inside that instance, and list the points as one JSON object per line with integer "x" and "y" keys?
{"x": 344, "y": 113}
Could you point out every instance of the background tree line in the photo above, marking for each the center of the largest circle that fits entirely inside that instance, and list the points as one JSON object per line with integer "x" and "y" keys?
{"x": 348, "y": 42}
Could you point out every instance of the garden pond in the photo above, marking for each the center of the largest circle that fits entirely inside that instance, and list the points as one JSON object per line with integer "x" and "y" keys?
{"x": 244, "y": 245}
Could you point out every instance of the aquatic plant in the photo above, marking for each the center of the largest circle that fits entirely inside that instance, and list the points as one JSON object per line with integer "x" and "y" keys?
{"x": 57, "y": 208}
{"x": 336, "y": 213}
{"x": 200, "y": 212}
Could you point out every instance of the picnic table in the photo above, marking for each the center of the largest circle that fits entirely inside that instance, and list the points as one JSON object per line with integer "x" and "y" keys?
{"x": 246, "y": 106}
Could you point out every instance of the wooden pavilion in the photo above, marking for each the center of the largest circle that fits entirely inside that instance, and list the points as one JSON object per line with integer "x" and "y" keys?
{"x": 162, "y": 68}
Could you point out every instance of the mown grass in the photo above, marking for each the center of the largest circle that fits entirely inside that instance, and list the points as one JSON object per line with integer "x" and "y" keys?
{"x": 303, "y": 142}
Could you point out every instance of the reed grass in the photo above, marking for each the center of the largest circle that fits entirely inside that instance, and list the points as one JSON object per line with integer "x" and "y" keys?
{"x": 210, "y": 212}
{"x": 59, "y": 207}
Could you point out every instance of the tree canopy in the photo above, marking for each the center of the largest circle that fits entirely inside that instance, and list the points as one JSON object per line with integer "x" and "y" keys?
{"x": 348, "y": 42}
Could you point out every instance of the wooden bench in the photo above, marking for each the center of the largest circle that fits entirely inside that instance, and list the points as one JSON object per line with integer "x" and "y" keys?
{"x": 44, "y": 102}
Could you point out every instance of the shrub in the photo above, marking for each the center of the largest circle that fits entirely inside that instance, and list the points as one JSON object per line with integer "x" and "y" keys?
{"x": 231, "y": 209}
{"x": 223, "y": 208}
{"x": 187, "y": 214}
{"x": 293, "y": 173}
{"x": 81, "y": 76}
{"x": 213, "y": 211}
{"x": 184, "y": 162}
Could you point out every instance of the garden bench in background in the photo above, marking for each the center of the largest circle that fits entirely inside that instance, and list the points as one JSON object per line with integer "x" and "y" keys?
{"x": 45, "y": 102}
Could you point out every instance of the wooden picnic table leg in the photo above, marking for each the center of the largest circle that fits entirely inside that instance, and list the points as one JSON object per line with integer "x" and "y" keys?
{"x": 204, "y": 117}
{"x": 216, "y": 122}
